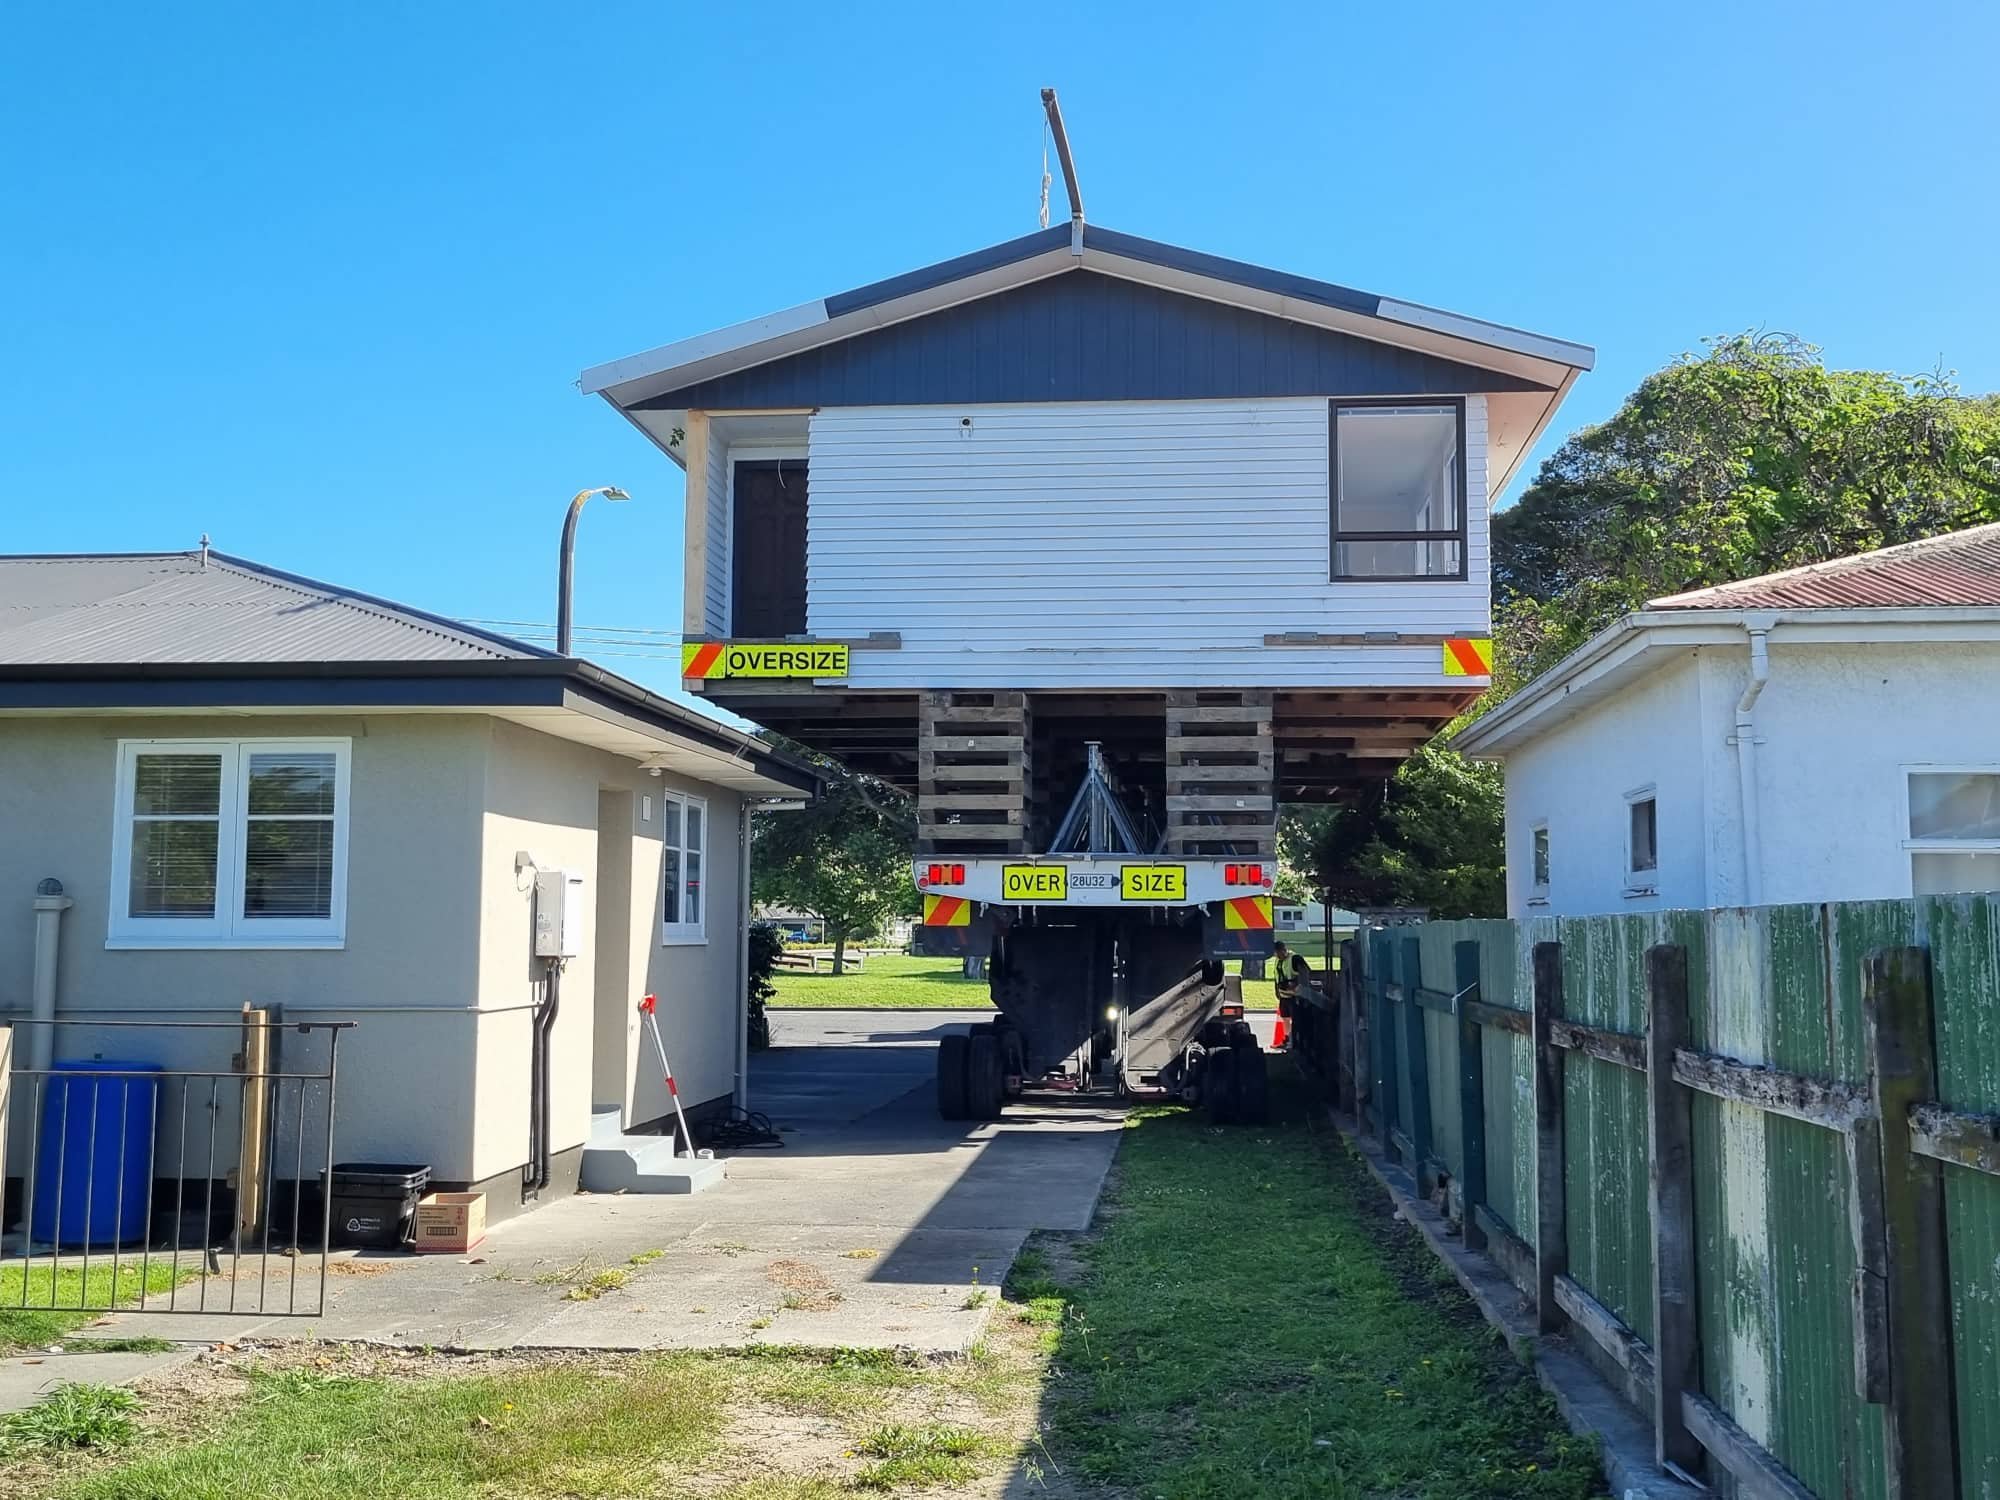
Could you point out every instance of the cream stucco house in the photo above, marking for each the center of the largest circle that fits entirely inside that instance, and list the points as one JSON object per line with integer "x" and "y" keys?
{"x": 257, "y": 788}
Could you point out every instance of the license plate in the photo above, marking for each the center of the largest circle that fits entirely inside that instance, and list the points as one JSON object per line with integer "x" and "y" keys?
{"x": 1034, "y": 883}
{"x": 1154, "y": 883}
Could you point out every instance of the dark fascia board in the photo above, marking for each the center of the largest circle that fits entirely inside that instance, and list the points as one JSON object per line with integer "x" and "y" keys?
{"x": 546, "y": 682}
{"x": 1238, "y": 272}
{"x": 946, "y": 271}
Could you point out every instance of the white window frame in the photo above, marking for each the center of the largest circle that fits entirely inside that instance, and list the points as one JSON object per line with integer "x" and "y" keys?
{"x": 685, "y": 934}
{"x": 229, "y": 927}
{"x": 1538, "y": 885}
{"x": 1642, "y": 882}
{"x": 1913, "y": 846}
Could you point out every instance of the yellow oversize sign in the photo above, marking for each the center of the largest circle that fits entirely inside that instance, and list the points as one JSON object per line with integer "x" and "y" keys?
{"x": 1468, "y": 657}
{"x": 1034, "y": 883}
{"x": 1152, "y": 883}
{"x": 705, "y": 661}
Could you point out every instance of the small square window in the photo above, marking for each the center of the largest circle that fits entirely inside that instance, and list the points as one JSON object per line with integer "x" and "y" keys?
{"x": 1540, "y": 840}
{"x": 1643, "y": 858}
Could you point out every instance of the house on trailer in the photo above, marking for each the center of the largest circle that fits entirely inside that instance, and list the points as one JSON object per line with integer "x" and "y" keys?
{"x": 233, "y": 785}
{"x": 1083, "y": 487}
{"x": 1829, "y": 733}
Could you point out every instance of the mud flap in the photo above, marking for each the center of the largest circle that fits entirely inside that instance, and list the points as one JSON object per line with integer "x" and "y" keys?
{"x": 1218, "y": 941}
{"x": 972, "y": 940}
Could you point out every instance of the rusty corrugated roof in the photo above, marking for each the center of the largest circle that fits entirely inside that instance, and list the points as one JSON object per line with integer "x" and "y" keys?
{"x": 1960, "y": 568}
{"x": 177, "y": 607}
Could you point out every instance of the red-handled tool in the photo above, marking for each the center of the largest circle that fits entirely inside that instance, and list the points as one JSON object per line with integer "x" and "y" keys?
{"x": 647, "y": 1008}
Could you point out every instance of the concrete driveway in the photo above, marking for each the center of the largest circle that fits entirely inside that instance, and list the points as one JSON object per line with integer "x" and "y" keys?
{"x": 876, "y": 1225}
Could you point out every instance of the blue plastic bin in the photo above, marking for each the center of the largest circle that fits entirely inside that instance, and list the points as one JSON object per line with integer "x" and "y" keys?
{"x": 95, "y": 1155}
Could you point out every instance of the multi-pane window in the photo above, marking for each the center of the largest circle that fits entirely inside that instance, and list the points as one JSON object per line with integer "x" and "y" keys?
{"x": 684, "y": 852}
{"x": 1954, "y": 840}
{"x": 1539, "y": 840}
{"x": 230, "y": 843}
{"x": 1398, "y": 489}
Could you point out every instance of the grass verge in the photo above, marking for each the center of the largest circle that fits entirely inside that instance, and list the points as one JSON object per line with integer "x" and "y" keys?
{"x": 54, "y": 1295}
{"x": 1253, "y": 1322}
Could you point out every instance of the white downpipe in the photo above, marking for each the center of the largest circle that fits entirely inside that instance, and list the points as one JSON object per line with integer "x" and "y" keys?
{"x": 740, "y": 1091}
{"x": 1746, "y": 742}
{"x": 50, "y": 904}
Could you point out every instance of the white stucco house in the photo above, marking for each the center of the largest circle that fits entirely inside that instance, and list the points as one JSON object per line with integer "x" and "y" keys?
{"x": 249, "y": 787}
{"x": 1830, "y": 733}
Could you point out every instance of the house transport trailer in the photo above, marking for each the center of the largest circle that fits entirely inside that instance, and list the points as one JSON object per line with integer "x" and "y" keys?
{"x": 1105, "y": 550}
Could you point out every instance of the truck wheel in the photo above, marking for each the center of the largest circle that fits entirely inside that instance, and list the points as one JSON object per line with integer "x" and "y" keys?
{"x": 1251, "y": 1081}
{"x": 985, "y": 1083}
{"x": 1218, "y": 1085}
{"x": 951, "y": 1078}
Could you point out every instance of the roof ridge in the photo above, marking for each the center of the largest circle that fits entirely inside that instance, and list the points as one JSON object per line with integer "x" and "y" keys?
{"x": 1851, "y": 562}
{"x": 419, "y": 620}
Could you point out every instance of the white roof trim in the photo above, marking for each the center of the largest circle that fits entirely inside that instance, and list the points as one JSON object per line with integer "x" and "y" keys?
{"x": 1494, "y": 335}
{"x": 1636, "y": 644}
{"x": 703, "y": 346}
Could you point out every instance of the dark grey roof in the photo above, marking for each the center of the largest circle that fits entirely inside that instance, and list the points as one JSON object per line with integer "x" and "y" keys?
{"x": 177, "y": 607}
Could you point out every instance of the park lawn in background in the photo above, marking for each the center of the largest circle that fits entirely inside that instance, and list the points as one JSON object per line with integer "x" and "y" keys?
{"x": 39, "y": 1324}
{"x": 896, "y": 982}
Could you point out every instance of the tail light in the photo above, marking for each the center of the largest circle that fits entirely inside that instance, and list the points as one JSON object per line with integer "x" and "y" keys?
{"x": 1231, "y": 1012}
{"x": 945, "y": 875}
{"x": 1243, "y": 875}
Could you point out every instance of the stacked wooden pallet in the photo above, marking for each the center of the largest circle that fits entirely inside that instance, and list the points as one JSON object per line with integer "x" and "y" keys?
{"x": 972, "y": 773}
{"x": 1220, "y": 774}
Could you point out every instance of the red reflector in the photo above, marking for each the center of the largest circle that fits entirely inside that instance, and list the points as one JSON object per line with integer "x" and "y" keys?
{"x": 1253, "y": 874}
{"x": 935, "y": 875}
{"x": 1231, "y": 1012}
{"x": 958, "y": 874}
{"x": 1232, "y": 874}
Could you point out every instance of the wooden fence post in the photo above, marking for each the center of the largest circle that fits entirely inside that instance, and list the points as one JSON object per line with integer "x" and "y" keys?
{"x": 1419, "y": 1052}
{"x": 1896, "y": 1021}
{"x": 1670, "y": 1141}
{"x": 1384, "y": 1036}
{"x": 1471, "y": 1094}
{"x": 1551, "y": 1246}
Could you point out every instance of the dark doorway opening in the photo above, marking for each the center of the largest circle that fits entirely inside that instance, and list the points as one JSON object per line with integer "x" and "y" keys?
{"x": 768, "y": 526}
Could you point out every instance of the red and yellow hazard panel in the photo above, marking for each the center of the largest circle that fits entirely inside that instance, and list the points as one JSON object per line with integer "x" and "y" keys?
{"x": 1246, "y": 914}
{"x": 1468, "y": 656}
{"x": 707, "y": 661}
{"x": 947, "y": 911}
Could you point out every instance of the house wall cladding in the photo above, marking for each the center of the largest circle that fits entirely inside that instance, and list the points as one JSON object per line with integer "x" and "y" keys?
{"x": 1110, "y": 544}
{"x": 1084, "y": 336}
{"x": 1773, "y": 1239}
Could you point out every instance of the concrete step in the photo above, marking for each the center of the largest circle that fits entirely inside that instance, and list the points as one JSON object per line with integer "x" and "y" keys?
{"x": 645, "y": 1164}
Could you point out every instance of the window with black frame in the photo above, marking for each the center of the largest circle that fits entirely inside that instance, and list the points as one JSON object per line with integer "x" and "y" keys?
{"x": 1398, "y": 490}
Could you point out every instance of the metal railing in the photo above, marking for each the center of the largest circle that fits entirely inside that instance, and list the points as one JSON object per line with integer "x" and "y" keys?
{"x": 161, "y": 1188}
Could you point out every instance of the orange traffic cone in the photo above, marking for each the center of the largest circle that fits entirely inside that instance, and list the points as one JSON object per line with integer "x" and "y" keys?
{"x": 1279, "y": 1031}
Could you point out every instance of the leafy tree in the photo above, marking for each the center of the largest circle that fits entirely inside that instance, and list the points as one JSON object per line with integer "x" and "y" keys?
{"x": 1747, "y": 458}
{"x": 843, "y": 859}
{"x": 766, "y": 943}
{"x": 1430, "y": 837}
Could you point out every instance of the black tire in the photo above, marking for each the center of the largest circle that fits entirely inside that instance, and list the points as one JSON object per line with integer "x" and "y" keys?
{"x": 985, "y": 1083}
{"x": 1251, "y": 1080}
{"x": 1218, "y": 1085}
{"x": 951, "y": 1078}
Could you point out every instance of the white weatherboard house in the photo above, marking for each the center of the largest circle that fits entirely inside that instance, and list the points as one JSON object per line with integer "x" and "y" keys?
{"x": 257, "y": 788}
{"x": 1831, "y": 733}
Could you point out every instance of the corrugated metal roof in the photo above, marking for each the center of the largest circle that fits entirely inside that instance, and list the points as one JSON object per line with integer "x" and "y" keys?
{"x": 176, "y": 607}
{"x": 1960, "y": 568}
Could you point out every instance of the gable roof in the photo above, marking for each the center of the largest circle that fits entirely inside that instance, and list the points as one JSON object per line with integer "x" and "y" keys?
{"x": 184, "y": 607}
{"x": 1211, "y": 327}
{"x": 1958, "y": 568}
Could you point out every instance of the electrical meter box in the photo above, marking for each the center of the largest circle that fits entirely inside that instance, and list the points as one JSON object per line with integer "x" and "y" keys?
{"x": 558, "y": 913}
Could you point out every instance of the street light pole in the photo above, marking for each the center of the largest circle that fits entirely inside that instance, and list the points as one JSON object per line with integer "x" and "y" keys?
{"x": 565, "y": 576}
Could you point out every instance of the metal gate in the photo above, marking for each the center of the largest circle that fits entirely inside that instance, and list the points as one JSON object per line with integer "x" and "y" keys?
{"x": 157, "y": 1187}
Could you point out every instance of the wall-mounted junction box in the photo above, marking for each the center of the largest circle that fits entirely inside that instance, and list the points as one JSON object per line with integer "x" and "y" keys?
{"x": 558, "y": 913}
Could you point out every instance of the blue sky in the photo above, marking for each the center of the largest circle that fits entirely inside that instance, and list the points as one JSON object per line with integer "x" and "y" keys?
{"x": 319, "y": 282}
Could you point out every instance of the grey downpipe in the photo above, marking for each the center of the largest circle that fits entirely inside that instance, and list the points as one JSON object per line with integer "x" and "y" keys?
{"x": 50, "y": 904}
{"x": 1745, "y": 740}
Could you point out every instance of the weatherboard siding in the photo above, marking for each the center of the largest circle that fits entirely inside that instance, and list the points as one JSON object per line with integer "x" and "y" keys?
{"x": 1108, "y": 544}
{"x": 715, "y": 494}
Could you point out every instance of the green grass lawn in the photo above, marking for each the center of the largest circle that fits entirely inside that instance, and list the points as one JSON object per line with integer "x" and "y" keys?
{"x": 46, "y": 1319}
{"x": 929, "y": 983}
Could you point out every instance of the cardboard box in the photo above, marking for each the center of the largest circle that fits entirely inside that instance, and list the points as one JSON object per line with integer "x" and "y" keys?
{"x": 450, "y": 1222}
